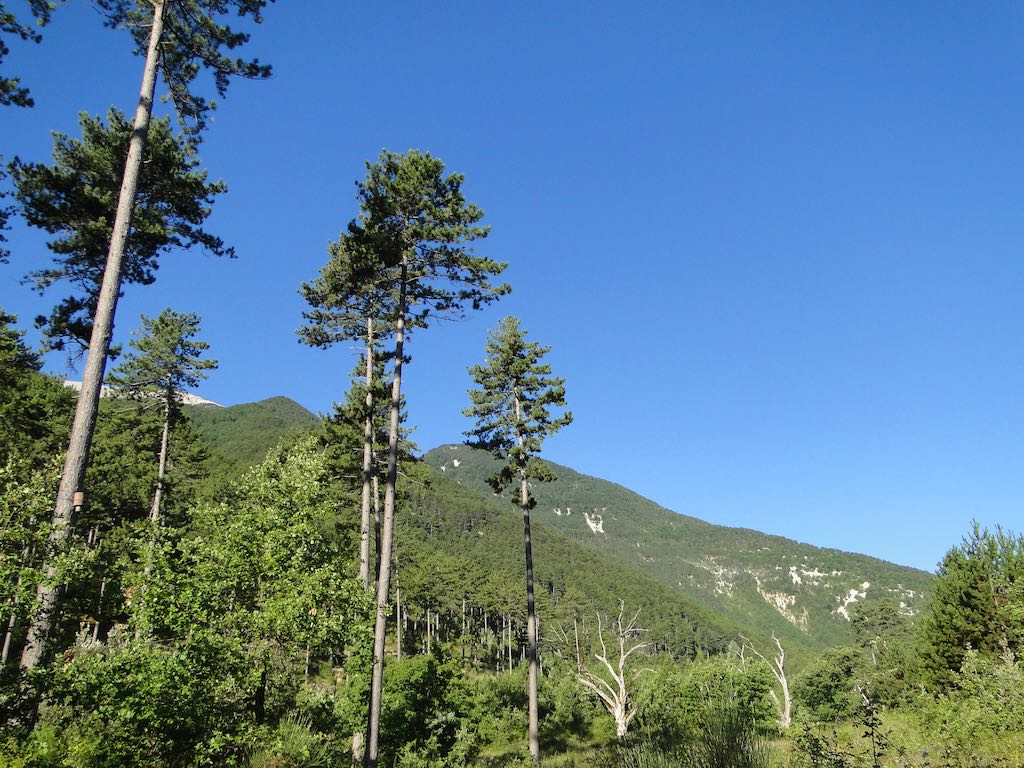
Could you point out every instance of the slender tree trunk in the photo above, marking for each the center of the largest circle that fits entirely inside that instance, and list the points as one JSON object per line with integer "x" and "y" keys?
{"x": 154, "y": 510}
{"x": 364, "y": 522}
{"x": 376, "y": 525}
{"x": 70, "y": 495}
{"x": 531, "y": 607}
{"x": 428, "y": 632}
{"x": 387, "y": 533}
{"x": 398, "y": 620}
{"x": 99, "y": 609}
{"x": 576, "y": 635}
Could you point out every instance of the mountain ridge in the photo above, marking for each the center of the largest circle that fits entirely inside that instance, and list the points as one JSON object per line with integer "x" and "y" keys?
{"x": 801, "y": 592}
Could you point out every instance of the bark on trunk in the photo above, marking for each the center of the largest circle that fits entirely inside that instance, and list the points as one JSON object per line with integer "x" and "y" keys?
{"x": 364, "y": 521}
{"x": 376, "y": 526}
{"x": 9, "y": 634}
{"x": 73, "y": 477}
{"x": 387, "y": 532}
{"x": 398, "y": 621}
{"x": 531, "y": 608}
{"x": 158, "y": 493}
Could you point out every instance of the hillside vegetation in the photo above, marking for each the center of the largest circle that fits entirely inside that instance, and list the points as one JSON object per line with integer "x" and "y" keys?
{"x": 768, "y": 583}
{"x": 241, "y": 435}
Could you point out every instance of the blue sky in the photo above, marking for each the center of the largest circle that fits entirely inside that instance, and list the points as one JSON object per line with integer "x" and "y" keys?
{"x": 775, "y": 247}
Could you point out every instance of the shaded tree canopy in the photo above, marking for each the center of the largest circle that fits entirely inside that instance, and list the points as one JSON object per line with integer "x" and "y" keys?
{"x": 12, "y": 92}
{"x": 75, "y": 199}
{"x": 512, "y": 408}
{"x": 166, "y": 358}
{"x": 193, "y": 40}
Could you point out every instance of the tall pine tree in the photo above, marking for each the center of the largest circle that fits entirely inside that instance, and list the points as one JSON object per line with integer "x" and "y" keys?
{"x": 418, "y": 227}
{"x": 513, "y": 416}
{"x": 181, "y": 38}
{"x": 166, "y": 360}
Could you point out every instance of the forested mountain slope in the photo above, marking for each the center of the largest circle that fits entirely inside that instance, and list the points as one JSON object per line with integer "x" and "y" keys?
{"x": 452, "y": 545}
{"x": 767, "y": 583}
{"x": 241, "y": 435}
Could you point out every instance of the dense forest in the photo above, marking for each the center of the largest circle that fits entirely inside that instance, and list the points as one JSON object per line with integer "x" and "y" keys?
{"x": 193, "y": 586}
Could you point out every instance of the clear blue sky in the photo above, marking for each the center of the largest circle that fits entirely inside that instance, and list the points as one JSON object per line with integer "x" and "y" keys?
{"x": 776, "y": 248}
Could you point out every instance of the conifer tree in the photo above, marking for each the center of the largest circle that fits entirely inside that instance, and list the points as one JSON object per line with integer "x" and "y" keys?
{"x": 343, "y": 309}
{"x": 513, "y": 417}
{"x": 12, "y": 93}
{"x": 181, "y": 38}
{"x": 75, "y": 198}
{"x": 166, "y": 361}
{"x": 415, "y": 232}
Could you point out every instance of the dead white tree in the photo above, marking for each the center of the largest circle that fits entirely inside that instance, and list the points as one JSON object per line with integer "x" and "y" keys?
{"x": 614, "y": 693}
{"x": 778, "y": 667}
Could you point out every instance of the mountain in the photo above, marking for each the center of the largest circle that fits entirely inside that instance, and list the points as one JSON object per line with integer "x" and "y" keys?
{"x": 768, "y": 583}
{"x": 241, "y": 435}
{"x": 451, "y": 545}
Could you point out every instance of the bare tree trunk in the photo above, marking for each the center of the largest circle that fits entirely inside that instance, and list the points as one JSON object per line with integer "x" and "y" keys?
{"x": 576, "y": 635}
{"x": 778, "y": 668}
{"x": 154, "y": 510}
{"x": 376, "y": 525}
{"x": 364, "y": 521}
{"x": 398, "y": 619}
{"x": 99, "y": 609}
{"x": 70, "y": 495}
{"x": 531, "y": 607}
{"x": 9, "y": 634}
{"x": 428, "y": 632}
{"x": 615, "y": 695}
{"x": 387, "y": 533}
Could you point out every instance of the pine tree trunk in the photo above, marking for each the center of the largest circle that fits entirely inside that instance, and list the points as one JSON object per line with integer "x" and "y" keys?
{"x": 11, "y": 623}
{"x": 72, "y": 479}
{"x": 99, "y": 609}
{"x": 154, "y": 510}
{"x": 398, "y": 620}
{"x": 531, "y": 608}
{"x": 387, "y": 533}
{"x": 376, "y": 526}
{"x": 364, "y": 521}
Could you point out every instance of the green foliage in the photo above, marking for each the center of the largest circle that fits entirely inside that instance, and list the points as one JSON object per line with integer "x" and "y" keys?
{"x": 414, "y": 216}
{"x": 293, "y": 744}
{"x": 429, "y": 713}
{"x": 242, "y": 607}
{"x": 76, "y": 197}
{"x": 440, "y": 517}
{"x": 984, "y": 711}
{"x": 727, "y": 570}
{"x": 728, "y": 738}
{"x": 193, "y": 39}
{"x": 512, "y": 406}
{"x": 35, "y": 409}
{"x": 678, "y": 703}
{"x": 132, "y": 703}
{"x": 240, "y": 436}
{"x": 825, "y": 690}
{"x": 12, "y": 93}
{"x": 978, "y": 604}
{"x": 25, "y": 499}
{"x": 166, "y": 360}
